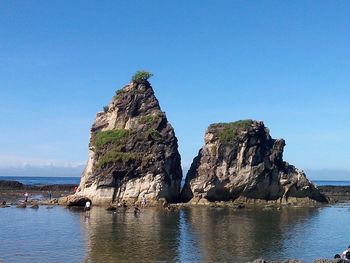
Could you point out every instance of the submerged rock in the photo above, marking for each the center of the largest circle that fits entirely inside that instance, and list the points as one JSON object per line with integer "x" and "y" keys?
{"x": 241, "y": 162}
{"x": 132, "y": 152}
{"x": 22, "y": 205}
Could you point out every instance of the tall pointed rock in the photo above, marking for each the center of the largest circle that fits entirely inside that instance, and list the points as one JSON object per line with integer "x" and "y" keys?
{"x": 133, "y": 151}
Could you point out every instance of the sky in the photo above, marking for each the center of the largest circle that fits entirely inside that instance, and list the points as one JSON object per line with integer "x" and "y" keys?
{"x": 283, "y": 62}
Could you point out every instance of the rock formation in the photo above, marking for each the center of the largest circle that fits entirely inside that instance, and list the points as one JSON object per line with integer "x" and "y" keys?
{"x": 241, "y": 162}
{"x": 132, "y": 151}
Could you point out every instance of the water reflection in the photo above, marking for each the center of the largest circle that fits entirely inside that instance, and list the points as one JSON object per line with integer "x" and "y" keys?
{"x": 191, "y": 234}
{"x": 121, "y": 237}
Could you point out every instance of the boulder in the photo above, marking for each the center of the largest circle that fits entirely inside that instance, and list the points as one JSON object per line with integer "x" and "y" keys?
{"x": 133, "y": 151}
{"x": 21, "y": 205}
{"x": 73, "y": 200}
{"x": 240, "y": 162}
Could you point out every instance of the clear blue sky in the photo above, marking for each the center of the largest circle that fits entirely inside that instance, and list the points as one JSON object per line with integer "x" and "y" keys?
{"x": 284, "y": 62}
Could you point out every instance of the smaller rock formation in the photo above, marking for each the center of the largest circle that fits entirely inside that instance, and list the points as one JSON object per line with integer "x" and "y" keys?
{"x": 241, "y": 162}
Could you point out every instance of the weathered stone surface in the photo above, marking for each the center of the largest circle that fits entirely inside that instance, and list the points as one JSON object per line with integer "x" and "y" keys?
{"x": 241, "y": 162}
{"x": 73, "y": 200}
{"x": 21, "y": 205}
{"x": 132, "y": 151}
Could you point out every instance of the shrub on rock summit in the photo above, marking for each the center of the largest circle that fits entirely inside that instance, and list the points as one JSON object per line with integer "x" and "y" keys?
{"x": 141, "y": 76}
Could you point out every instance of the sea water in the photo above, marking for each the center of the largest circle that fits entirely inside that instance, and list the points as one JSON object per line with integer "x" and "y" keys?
{"x": 200, "y": 234}
{"x": 38, "y": 180}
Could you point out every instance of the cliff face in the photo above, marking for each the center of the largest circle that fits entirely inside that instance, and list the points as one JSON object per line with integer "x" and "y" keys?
{"x": 240, "y": 161}
{"x": 132, "y": 151}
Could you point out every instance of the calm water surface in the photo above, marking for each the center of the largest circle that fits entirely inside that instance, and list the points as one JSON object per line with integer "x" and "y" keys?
{"x": 188, "y": 235}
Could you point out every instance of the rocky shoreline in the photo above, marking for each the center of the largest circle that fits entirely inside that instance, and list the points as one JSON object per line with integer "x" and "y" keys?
{"x": 12, "y": 192}
{"x": 300, "y": 261}
{"x": 336, "y": 193}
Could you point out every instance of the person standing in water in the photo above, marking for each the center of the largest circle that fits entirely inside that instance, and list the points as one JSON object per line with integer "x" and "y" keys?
{"x": 26, "y": 197}
{"x": 137, "y": 210}
{"x": 87, "y": 206}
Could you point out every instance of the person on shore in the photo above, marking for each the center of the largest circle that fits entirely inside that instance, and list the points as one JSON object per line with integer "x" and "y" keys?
{"x": 87, "y": 206}
{"x": 137, "y": 210}
{"x": 143, "y": 201}
{"x": 75, "y": 189}
{"x": 125, "y": 206}
{"x": 167, "y": 208}
{"x": 50, "y": 195}
{"x": 26, "y": 197}
{"x": 3, "y": 202}
{"x": 346, "y": 254}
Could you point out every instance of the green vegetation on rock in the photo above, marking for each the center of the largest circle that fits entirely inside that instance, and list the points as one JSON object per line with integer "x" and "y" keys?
{"x": 141, "y": 76}
{"x": 105, "y": 109}
{"x": 148, "y": 119}
{"x": 231, "y": 130}
{"x": 116, "y": 137}
{"x": 114, "y": 155}
{"x": 117, "y": 93}
{"x": 154, "y": 134}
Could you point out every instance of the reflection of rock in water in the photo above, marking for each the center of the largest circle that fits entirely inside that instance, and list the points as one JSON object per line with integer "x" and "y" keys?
{"x": 198, "y": 234}
{"x": 240, "y": 236}
{"x": 122, "y": 237}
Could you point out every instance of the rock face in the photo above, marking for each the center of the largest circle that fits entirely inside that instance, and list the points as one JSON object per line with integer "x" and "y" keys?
{"x": 241, "y": 162}
{"x": 132, "y": 151}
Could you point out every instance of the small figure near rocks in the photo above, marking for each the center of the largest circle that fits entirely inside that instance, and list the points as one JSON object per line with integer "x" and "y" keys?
{"x": 143, "y": 201}
{"x": 167, "y": 208}
{"x": 137, "y": 210}
{"x": 346, "y": 254}
{"x": 87, "y": 206}
{"x": 75, "y": 189}
{"x": 50, "y": 195}
{"x": 3, "y": 204}
{"x": 124, "y": 205}
{"x": 26, "y": 197}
